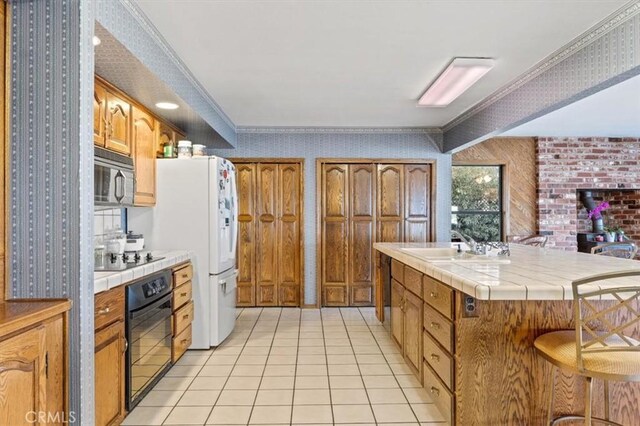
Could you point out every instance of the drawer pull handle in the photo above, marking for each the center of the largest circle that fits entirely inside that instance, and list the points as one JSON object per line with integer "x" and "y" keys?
{"x": 104, "y": 311}
{"x": 435, "y": 357}
{"x": 185, "y": 316}
{"x": 185, "y": 276}
{"x": 433, "y": 295}
{"x": 184, "y": 341}
{"x": 183, "y": 294}
{"x": 435, "y": 391}
{"x": 435, "y": 325}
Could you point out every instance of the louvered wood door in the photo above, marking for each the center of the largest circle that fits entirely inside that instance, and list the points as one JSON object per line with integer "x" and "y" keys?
{"x": 335, "y": 235}
{"x": 267, "y": 242}
{"x": 246, "y": 257}
{"x": 362, "y": 182}
{"x": 390, "y": 203}
{"x": 417, "y": 202}
{"x": 288, "y": 228}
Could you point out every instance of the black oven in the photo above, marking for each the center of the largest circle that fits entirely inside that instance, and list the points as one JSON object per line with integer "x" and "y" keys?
{"x": 148, "y": 329}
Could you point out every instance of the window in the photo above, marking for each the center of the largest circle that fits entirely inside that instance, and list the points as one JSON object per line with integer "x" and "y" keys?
{"x": 476, "y": 202}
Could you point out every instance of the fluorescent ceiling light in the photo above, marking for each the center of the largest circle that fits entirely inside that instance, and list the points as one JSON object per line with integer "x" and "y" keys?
{"x": 96, "y": 40}
{"x": 461, "y": 74}
{"x": 167, "y": 105}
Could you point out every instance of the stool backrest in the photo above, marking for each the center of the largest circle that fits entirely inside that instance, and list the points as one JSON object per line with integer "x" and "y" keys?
{"x": 601, "y": 326}
{"x": 624, "y": 250}
{"x": 532, "y": 240}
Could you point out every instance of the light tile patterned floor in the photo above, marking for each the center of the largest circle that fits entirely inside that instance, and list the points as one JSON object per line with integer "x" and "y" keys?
{"x": 292, "y": 366}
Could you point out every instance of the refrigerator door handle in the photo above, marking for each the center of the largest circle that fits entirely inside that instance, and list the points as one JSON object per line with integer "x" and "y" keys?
{"x": 234, "y": 222}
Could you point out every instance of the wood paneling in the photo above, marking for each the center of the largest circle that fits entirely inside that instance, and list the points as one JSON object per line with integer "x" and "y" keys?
{"x": 361, "y": 202}
{"x": 270, "y": 249}
{"x": 246, "y": 181}
{"x": 267, "y": 235}
{"x": 518, "y": 155}
{"x": 144, "y": 158}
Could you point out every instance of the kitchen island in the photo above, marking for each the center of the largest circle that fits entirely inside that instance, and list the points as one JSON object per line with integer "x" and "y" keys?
{"x": 467, "y": 328}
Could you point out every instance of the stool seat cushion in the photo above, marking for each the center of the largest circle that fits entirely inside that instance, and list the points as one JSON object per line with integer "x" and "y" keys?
{"x": 559, "y": 348}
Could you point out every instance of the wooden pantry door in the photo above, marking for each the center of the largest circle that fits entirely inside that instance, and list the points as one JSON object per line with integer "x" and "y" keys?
{"x": 360, "y": 202}
{"x": 270, "y": 226}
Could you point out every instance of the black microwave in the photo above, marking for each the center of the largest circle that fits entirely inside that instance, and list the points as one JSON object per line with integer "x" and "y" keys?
{"x": 114, "y": 180}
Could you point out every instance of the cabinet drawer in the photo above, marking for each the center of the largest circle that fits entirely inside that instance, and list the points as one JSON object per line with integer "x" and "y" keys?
{"x": 108, "y": 307}
{"x": 397, "y": 270}
{"x": 439, "y": 296}
{"x": 439, "y": 327}
{"x": 182, "y": 318}
{"x": 180, "y": 344}
{"x": 182, "y": 275}
{"x": 413, "y": 281}
{"x": 440, "y": 361}
{"x": 440, "y": 395}
{"x": 181, "y": 295}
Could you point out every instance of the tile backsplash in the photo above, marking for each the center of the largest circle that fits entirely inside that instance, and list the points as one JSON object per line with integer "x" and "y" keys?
{"x": 107, "y": 220}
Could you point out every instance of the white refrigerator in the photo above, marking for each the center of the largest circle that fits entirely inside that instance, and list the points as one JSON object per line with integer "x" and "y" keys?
{"x": 196, "y": 209}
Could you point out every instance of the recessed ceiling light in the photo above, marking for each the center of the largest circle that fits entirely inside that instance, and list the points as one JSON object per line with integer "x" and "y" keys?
{"x": 460, "y": 75}
{"x": 167, "y": 105}
{"x": 96, "y": 40}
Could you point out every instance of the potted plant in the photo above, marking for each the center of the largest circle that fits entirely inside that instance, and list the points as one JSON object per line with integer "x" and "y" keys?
{"x": 611, "y": 232}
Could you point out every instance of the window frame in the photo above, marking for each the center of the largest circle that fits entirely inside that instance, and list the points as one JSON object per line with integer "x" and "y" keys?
{"x": 503, "y": 211}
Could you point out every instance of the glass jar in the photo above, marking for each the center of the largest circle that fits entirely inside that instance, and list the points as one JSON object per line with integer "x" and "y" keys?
{"x": 185, "y": 149}
{"x": 199, "y": 150}
{"x": 167, "y": 150}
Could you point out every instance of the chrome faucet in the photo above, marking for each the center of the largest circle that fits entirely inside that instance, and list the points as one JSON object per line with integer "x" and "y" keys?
{"x": 474, "y": 247}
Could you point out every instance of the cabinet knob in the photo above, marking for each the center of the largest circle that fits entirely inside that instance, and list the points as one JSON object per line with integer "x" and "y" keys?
{"x": 435, "y": 357}
{"x": 185, "y": 316}
{"x": 435, "y": 325}
{"x": 435, "y": 391}
{"x": 184, "y": 341}
{"x": 433, "y": 295}
{"x": 183, "y": 294}
{"x": 104, "y": 311}
{"x": 185, "y": 276}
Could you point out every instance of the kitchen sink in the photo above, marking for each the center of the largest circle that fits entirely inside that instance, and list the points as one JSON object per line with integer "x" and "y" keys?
{"x": 448, "y": 255}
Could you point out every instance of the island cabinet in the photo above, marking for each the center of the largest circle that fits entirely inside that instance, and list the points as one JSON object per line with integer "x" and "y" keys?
{"x": 406, "y": 314}
{"x": 182, "y": 310}
{"x": 110, "y": 348}
{"x": 33, "y": 362}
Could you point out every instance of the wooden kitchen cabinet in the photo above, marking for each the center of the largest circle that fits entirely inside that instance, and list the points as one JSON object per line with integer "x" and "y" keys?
{"x": 182, "y": 310}
{"x": 109, "y": 352}
{"x": 99, "y": 114}
{"x": 165, "y": 135}
{"x": 144, "y": 158}
{"x": 118, "y": 124}
{"x": 33, "y": 359}
{"x": 397, "y": 316}
{"x": 413, "y": 331}
{"x": 110, "y": 348}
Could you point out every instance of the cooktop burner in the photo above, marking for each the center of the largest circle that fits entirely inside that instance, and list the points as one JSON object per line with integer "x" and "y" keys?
{"x": 121, "y": 262}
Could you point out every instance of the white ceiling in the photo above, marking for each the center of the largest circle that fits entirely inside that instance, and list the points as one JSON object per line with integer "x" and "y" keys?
{"x": 612, "y": 112}
{"x": 359, "y": 62}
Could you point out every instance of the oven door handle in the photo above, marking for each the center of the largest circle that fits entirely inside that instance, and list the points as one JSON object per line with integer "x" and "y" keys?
{"x": 137, "y": 312}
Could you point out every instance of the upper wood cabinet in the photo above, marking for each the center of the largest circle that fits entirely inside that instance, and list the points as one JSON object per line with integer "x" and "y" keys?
{"x": 99, "y": 114}
{"x": 144, "y": 159}
{"x": 118, "y": 124}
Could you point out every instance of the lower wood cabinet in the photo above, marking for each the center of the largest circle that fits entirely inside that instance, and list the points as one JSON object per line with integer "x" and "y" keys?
{"x": 182, "y": 310}
{"x": 110, "y": 349}
{"x": 33, "y": 357}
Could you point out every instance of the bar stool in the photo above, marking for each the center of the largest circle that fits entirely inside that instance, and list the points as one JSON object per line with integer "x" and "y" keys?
{"x": 598, "y": 347}
{"x": 532, "y": 240}
{"x": 624, "y": 250}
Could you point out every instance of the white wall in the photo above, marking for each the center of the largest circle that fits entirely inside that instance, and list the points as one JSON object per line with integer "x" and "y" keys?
{"x": 311, "y": 146}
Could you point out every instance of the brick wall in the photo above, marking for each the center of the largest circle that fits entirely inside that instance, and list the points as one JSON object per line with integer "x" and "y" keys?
{"x": 568, "y": 164}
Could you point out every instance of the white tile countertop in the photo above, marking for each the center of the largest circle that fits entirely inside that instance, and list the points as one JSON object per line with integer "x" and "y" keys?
{"x": 532, "y": 273}
{"x": 104, "y": 281}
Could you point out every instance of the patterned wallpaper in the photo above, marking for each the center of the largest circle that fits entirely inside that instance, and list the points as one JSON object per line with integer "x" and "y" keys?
{"x": 371, "y": 144}
{"x": 51, "y": 164}
{"x": 129, "y": 26}
{"x": 603, "y": 57}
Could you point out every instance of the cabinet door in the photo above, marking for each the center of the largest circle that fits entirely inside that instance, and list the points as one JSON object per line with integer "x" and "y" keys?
{"x": 267, "y": 235}
{"x": 109, "y": 374}
{"x": 23, "y": 381}
{"x": 165, "y": 134}
{"x": 118, "y": 135}
{"x": 144, "y": 158}
{"x": 362, "y": 178}
{"x": 246, "y": 179}
{"x": 397, "y": 316}
{"x": 390, "y": 202}
{"x": 335, "y": 234}
{"x": 99, "y": 113}
{"x": 417, "y": 197}
{"x": 289, "y": 217}
{"x": 413, "y": 331}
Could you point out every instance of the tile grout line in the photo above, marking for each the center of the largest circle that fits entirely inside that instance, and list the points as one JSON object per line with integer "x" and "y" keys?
{"x": 326, "y": 360}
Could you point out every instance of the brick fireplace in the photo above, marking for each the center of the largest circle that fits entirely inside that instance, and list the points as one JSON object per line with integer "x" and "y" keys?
{"x": 608, "y": 166}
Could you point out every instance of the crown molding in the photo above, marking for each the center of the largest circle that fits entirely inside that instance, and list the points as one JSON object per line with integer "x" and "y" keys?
{"x": 153, "y": 32}
{"x": 623, "y": 14}
{"x": 344, "y": 130}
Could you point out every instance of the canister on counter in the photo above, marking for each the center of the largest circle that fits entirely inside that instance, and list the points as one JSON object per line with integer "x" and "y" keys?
{"x": 199, "y": 150}
{"x": 185, "y": 149}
